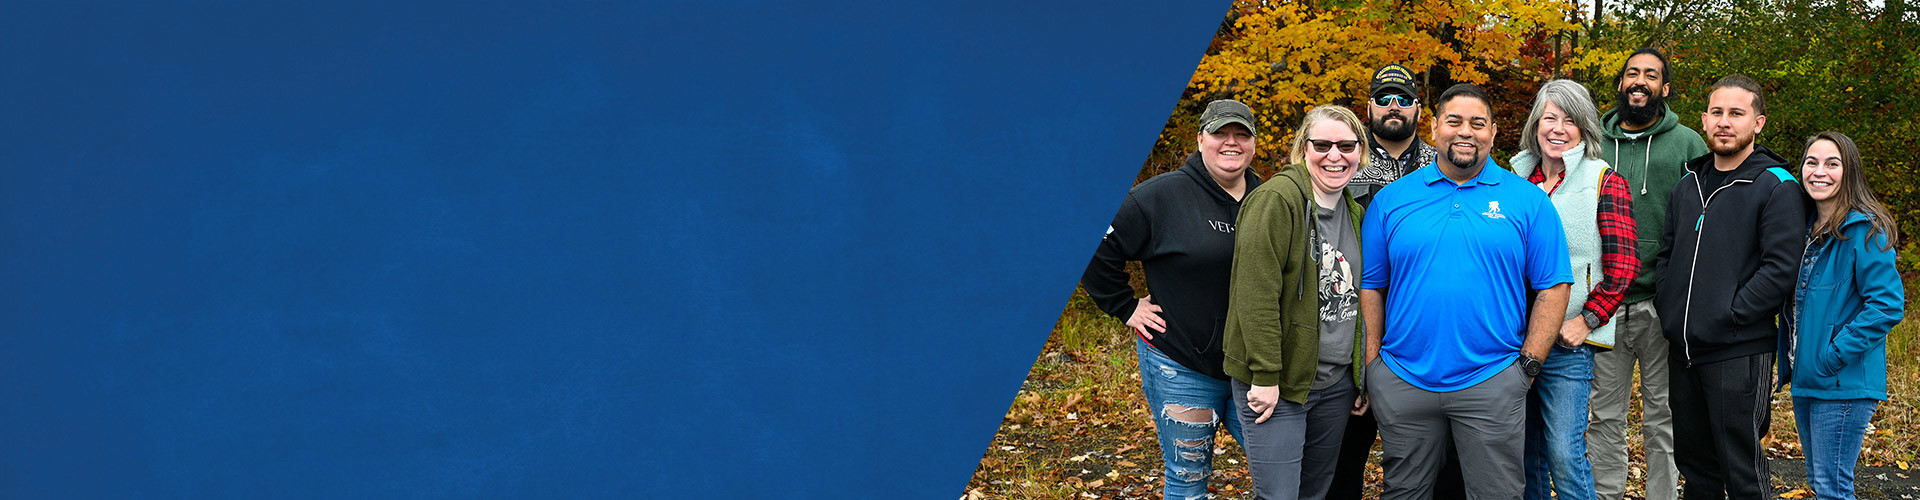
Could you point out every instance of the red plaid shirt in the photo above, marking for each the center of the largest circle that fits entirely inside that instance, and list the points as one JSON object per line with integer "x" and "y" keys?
{"x": 1618, "y": 261}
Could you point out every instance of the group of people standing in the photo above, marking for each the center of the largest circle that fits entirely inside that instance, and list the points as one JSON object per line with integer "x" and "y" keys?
{"x": 1488, "y": 322}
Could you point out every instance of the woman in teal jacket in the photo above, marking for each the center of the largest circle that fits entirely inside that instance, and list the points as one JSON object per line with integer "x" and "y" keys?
{"x": 1834, "y": 341}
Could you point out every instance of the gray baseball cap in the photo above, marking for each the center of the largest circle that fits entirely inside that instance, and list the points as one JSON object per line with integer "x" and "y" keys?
{"x": 1225, "y": 111}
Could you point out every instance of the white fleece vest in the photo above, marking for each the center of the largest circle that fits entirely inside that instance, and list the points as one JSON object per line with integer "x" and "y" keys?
{"x": 1578, "y": 201}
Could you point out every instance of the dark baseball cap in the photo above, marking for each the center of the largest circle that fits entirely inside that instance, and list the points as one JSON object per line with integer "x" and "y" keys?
{"x": 1396, "y": 78}
{"x": 1225, "y": 111}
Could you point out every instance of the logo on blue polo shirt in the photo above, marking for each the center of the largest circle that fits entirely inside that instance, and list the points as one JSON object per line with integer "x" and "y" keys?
{"x": 1493, "y": 211}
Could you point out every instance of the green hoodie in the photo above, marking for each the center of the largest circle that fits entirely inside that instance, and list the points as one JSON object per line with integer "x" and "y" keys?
{"x": 1652, "y": 161}
{"x": 1273, "y": 306}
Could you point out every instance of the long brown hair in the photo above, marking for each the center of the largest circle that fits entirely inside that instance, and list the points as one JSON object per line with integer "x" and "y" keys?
{"x": 1853, "y": 193}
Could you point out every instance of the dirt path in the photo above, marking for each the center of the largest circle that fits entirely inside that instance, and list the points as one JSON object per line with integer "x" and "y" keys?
{"x": 1790, "y": 481}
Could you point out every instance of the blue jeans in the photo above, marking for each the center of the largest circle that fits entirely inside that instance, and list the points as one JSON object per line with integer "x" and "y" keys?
{"x": 1831, "y": 431}
{"x": 1186, "y": 432}
{"x": 1557, "y": 426}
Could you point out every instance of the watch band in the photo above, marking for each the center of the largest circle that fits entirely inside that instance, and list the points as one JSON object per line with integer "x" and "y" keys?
{"x": 1593, "y": 320}
{"x": 1530, "y": 366}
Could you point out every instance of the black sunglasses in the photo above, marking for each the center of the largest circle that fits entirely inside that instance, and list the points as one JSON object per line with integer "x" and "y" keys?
{"x": 1393, "y": 100}
{"x": 1320, "y": 146}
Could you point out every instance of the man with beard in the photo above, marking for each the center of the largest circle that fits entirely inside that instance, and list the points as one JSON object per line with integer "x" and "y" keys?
{"x": 1718, "y": 302}
{"x": 1456, "y": 255}
{"x": 1645, "y": 144}
{"x": 1393, "y": 111}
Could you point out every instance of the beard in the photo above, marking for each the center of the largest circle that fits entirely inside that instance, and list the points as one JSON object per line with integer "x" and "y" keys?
{"x": 1656, "y": 106}
{"x": 1462, "y": 162}
{"x": 1380, "y": 129}
{"x": 1739, "y": 144}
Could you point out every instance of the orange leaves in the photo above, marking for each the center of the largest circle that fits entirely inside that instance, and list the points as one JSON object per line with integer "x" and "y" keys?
{"x": 1285, "y": 57}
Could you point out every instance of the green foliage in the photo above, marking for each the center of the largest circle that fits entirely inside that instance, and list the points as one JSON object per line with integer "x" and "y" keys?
{"x": 1907, "y": 261}
{"x": 1846, "y": 66}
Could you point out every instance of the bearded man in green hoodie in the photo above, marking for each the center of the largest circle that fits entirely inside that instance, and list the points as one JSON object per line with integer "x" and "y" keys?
{"x": 1644, "y": 142}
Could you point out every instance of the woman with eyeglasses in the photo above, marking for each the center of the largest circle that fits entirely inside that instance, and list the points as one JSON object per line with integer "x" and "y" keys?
{"x": 1561, "y": 155}
{"x": 1293, "y": 331}
{"x": 1833, "y": 343}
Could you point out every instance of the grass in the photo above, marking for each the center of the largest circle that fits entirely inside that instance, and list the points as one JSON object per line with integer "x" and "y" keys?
{"x": 1893, "y": 437}
{"x": 1079, "y": 428}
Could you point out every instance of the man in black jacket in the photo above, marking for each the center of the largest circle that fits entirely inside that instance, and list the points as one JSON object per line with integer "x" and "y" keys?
{"x": 1727, "y": 261}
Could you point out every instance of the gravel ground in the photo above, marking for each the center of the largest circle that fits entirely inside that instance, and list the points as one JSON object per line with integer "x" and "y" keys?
{"x": 1868, "y": 482}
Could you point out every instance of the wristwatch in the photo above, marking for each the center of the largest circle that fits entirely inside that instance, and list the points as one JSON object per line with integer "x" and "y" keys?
{"x": 1529, "y": 365}
{"x": 1593, "y": 320}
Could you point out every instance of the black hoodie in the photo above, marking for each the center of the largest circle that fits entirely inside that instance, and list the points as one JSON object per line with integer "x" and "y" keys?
{"x": 1179, "y": 225}
{"x": 1728, "y": 258}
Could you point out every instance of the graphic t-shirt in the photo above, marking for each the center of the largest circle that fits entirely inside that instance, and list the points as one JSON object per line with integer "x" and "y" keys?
{"x": 1335, "y": 245}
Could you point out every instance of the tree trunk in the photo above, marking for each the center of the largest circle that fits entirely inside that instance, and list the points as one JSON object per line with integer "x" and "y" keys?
{"x": 1439, "y": 77}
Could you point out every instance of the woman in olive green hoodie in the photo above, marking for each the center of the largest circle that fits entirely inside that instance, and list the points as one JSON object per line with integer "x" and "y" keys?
{"x": 1293, "y": 334}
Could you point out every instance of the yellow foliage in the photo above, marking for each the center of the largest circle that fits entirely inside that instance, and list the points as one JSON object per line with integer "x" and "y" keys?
{"x": 1280, "y": 57}
{"x": 1600, "y": 60}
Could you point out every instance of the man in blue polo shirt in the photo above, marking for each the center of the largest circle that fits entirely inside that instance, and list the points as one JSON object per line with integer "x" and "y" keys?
{"x": 1466, "y": 280}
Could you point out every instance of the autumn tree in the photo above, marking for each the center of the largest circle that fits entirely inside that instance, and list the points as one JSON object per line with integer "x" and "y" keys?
{"x": 1283, "y": 58}
{"x": 1843, "y": 65}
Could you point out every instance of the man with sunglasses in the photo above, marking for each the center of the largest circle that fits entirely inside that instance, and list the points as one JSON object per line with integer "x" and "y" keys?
{"x": 1393, "y": 113}
{"x": 1466, "y": 283}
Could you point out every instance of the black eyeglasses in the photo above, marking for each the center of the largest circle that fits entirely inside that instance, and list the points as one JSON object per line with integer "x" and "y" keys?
{"x": 1393, "y": 100}
{"x": 1320, "y": 146}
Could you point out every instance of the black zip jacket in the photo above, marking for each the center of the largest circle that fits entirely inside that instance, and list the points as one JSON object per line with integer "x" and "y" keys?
{"x": 1728, "y": 258}
{"x": 1179, "y": 225}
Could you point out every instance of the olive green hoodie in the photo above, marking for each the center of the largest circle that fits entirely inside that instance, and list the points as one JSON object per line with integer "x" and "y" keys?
{"x": 1652, "y": 162}
{"x": 1273, "y": 305}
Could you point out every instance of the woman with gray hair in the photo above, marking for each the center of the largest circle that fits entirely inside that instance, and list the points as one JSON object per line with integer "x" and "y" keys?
{"x": 1562, "y": 157}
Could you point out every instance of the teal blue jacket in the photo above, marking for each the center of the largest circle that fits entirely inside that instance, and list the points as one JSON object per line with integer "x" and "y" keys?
{"x": 1849, "y": 296}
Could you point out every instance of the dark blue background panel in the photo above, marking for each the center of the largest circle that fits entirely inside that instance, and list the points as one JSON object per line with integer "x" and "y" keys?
{"x": 573, "y": 250}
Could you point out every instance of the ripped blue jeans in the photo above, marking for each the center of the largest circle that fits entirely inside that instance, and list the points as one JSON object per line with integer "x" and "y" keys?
{"x": 1188, "y": 408}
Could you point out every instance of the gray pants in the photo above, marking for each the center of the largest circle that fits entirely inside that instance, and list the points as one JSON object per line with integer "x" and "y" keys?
{"x": 1486, "y": 422}
{"x": 1291, "y": 456}
{"x": 1638, "y": 341}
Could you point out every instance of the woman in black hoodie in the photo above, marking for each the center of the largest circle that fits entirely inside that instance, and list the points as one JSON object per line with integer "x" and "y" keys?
{"x": 1179, "y": 226}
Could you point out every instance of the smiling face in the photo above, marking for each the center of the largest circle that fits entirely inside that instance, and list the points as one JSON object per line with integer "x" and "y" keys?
{"x": 1731, "y": 122}
{"x": 1463, "y": 129}
{"x": 1823, "y": 171}
{"x": 1227, "y": 151}
{"x": 1556, "y": 132}
{"x": 1643, "y": 86}
{"x": 1330, "y": 171}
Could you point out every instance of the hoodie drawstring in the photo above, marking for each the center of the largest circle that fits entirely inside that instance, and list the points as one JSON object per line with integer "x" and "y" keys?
{"x": 1645, "y": 156}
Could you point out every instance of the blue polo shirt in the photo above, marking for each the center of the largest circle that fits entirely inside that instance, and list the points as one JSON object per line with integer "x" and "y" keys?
{"x": 1458, "y": 261}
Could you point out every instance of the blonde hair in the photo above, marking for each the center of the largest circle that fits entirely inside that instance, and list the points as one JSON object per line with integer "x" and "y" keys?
{"x": 1297, "y": 154}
